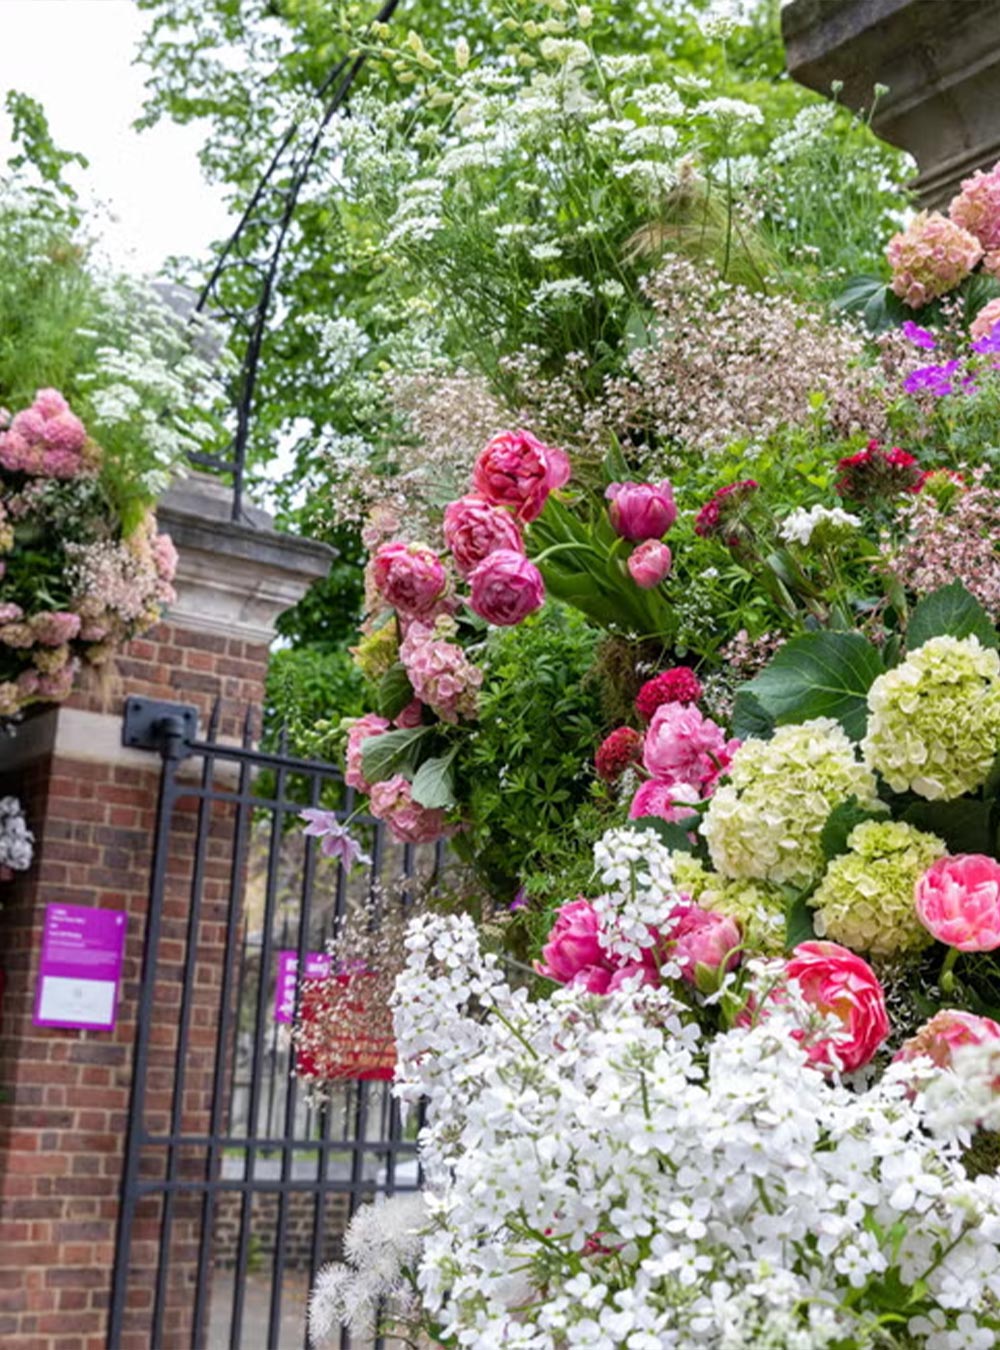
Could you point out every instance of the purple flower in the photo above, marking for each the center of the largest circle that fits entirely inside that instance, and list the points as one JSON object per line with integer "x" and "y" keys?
{"x": 336, "y": 839}
{"x": 520, "y": 900}
{"x": 920, "y": 337}
{"x": 936, "y": 380}
{"x": 990, "y": 343}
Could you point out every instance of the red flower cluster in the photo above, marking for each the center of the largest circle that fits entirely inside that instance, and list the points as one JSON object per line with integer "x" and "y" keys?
{"x": 616, "y": 752}
{"x": 679, "y": 685}
{"x": 719, "y": 511}
{"x": 875, "y": 473}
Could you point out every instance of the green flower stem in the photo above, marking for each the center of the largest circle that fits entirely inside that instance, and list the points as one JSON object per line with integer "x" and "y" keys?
{"x": 561, "y": 548}
{"x": 947, "y": 977}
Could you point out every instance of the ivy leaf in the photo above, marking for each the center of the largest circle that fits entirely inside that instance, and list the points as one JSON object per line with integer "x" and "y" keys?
{"x": 964, "y": 825}
{"x": 392, "y": 752}
{"x": 841, "y": 821}
{"x": 749, "y": 717}
{"x": 799, "y": 920}
{"x": 394, "y": 691}
{"x": 433, "y": 783}
{"x": 950, "y": 612}
{"x": 820, "y": 675}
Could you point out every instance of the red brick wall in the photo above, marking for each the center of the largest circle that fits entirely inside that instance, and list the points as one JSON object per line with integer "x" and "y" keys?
{"x": 65, "y": 1094}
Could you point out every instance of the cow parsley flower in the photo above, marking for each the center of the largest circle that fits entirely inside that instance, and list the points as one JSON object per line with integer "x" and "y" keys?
{"x": 934, "y": 726}
{"x": 765, "y": 823}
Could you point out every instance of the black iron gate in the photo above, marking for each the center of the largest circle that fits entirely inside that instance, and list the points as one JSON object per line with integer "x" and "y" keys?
{"x": 236, "y": 1188}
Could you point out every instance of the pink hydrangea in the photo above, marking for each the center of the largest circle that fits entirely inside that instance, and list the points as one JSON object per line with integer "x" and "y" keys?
{"x": 369, "y": 725}
{"x": 392, "y": 801}
{"x": 411, "y": 716}
{"x": 930, "y": 257}
{"x": 440, "y": 673}
{"x": 165, "y": 557}
{"x": 10, "y": 613}
{"x": 45, "y": 439}
{"x": 650, "y": 564}
{"x": 53, "y": 628}
{"x": 518, "y": 471}
{"x": 54, "y": 688}
{"x": 410, "y": 577}
{"x": 991, "y": 264}
{"x": 64, "y": 432}
{"x": 938, "y": 1039}
{"x": 505, "y": 588}
{"x": 640, "y": 511}
{"x": 977, "y": 207}
{"x": 958, "y": 901}
{"x": 473, "y": 529}
{"x": 669, "y": 801}
{"x": 50, "y": 403}
{"x": 986, "y": 320}
{"x": 684, "y": 746}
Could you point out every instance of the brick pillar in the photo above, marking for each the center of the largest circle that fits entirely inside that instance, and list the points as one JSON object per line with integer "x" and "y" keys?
{"x": 64, "y": 1094}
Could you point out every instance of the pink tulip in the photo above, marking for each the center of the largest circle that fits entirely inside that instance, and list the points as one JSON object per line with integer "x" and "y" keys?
{"x": 650, "y": 564}
{"x": 505, "y": 588}
{"x": 641, "y": 510}
{"x": 517, "y": 470}
{"x": 669, "y": 801}
{"x": 837, "y": 981}
{"x": 704, "y": 944}
{"x": 948, "y": 1029}
{"x": 411, "y": 577}
{"x": 573, "y": 948}
{"x": 958, "y": 900}
{"x": 473, "y": 529}
{"x": 684, "y": 746}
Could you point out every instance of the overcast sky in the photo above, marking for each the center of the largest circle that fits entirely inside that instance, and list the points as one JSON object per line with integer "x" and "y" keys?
{"x": 75, "y": 56}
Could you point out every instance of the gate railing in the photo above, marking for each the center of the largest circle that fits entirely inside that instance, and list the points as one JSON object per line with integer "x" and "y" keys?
{"x": 236, "y": 1187}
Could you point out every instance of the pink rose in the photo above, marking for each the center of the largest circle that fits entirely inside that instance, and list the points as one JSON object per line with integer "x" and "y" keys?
{"x": 473, "y": 529}
{"x": 958, "y": 900}
{"x": 505, "y": 588}
{"x": 517, "y": 470}
{"x": 684, "y": 746}
{"x": 669, "y": 801}
{"x": 572, "y": 947}
{"x": 649, "y": 564}
{"x": 703, "y": 943}
{"x": 411, "y": 577}
{"x": 369, "y": 725}
{"x": 641, "y": 510}
{"x": 392, "y": 801}
{"x": 835, "y": 980}
{"x": 939, "y": 1038}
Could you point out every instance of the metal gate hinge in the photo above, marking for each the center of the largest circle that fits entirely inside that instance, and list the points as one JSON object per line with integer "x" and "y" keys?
{"x": 150, "y": 724}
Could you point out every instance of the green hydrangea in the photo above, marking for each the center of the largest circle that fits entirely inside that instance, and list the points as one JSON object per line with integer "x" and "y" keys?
{"x": 934, "y": 726}
{"x": 765, "y": 823}
{"x": 758, "y": 908}
{"x": 865, "y": 901}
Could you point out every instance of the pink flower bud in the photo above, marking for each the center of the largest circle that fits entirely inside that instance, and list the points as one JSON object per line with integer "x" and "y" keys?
{"x": 650, "y": 564}
{"x": 641, "y": 510}
{"x": 473, "y": 529}
{"x": 958, "y": 900}
{"x": 506, "y": 587}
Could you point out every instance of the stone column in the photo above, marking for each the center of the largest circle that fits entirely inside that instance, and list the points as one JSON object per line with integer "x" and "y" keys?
{"x": 64, "y": 1094}
{"x": 940, "y": 60}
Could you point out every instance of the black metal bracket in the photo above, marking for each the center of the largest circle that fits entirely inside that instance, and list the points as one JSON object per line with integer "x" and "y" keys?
{"x": 150, "y": 724}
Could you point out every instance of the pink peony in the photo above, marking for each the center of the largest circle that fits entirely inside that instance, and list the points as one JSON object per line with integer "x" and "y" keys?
{"x": 411, "y": 716}
{"x": 986, "y": 320}
{"x": 473, "y": 529}
{"x": 392, "y": 801}
{"x": 977, "y": 207}
{"x": 835, "y": 980}
{"x": 369, "y": 725}
{"x": 930, "y": 257}
{"x": 616, "y": 752}
{"x": 411, "y": 577}
{"x": 440, "y": 673}
{"x": 53, "y": 628}
{"x": 703, "y": 943}
{"x": 958, "y": 900}
{"x": 684, "y": 746}
{"x": 505, "y": 588}
{"x": 519, "y": 471}
{"x": 677, "y": 685}
{"x": 649, "y": 564}
{"x": 939, "y": 1038}
{"x": 641, "y": 511}
{"x": 573, "y": 945}
{"x": 669, "y": 801}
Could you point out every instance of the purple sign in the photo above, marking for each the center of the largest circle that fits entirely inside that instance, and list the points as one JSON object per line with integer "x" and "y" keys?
{"x": 317, "y": 968}
{"x": 80, "y": 969}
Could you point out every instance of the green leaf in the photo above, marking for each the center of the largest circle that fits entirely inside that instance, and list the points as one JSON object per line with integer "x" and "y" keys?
{"x": 950, "y": 612}
{"x": 616, "y": 469}
{"x": 841, "y": 821}
{"x": 670, "y": 834}
{"x": 964, "y": 825}
{"x": 391, "y": 752}
{"x": 394, "y": 691}
{"x": 433, "y": 783}
{"x": 799, "y": 920}
{"x": 820, "y": 675}
{"x": 749, "y": 718}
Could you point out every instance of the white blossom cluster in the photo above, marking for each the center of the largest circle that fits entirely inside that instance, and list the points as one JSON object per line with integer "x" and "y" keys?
{"x": 826, "y": 522}
{"x": 599, "y": 1175}
{"x": 637, "y": 874}
{"x": 16, "y": 840}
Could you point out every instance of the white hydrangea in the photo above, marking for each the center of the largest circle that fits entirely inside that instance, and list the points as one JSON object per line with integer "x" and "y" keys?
{"x": 799, "y": 526}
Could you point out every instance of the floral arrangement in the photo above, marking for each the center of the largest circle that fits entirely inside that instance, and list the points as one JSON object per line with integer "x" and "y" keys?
{"x": 16, "y": 840}
{"x": 76, "y": 581}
